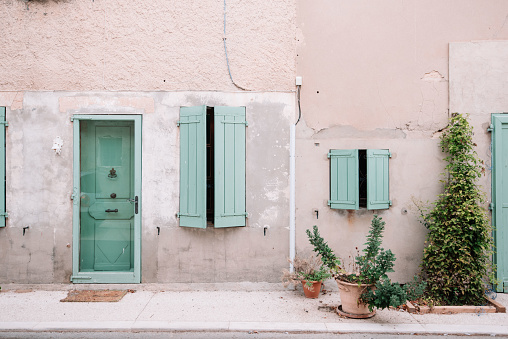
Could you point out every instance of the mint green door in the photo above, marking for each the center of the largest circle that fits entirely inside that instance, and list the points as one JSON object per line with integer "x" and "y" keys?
{"x": 500, "y": 197}
{"x": 108, "y": 202}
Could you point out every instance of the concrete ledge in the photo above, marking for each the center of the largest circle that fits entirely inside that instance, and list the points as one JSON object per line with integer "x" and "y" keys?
{"x": 165, "y": 326}
{"x": 81, "y": 326}
{"x": 180, "y": 326}
{"x": 17, "y": 326}
{"x": 466, "y": 329}
{"x": 375, "y": 328}
{"x": 277, "y": 327}
{"x": 155, "y": 287}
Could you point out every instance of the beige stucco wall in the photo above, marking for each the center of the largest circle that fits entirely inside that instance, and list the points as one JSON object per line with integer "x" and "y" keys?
{"x": 479, "y": 87}
{"x": 83, "y": 45}
{"x": 63, "y": 57}
{"x": 375, "y": 75}
{"x": 39, "y": 188}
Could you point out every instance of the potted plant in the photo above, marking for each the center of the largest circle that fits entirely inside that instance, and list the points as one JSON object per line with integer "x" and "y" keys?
{"x": 309, "y": 271}
{"x": 368, "y": 285}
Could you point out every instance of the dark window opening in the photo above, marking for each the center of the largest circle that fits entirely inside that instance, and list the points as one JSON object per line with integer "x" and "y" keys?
{"x": 209, "y": 166}
{"x": 362, "y": 175}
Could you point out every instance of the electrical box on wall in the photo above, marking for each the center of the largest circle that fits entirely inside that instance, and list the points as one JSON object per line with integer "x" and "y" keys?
{"x": 298, "y": 81}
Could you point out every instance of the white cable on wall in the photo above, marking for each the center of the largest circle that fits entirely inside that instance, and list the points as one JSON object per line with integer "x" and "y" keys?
{"x": 226, "y": 51}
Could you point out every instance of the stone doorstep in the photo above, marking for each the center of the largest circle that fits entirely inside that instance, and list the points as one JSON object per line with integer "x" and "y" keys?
{"x": 492, "y": 307}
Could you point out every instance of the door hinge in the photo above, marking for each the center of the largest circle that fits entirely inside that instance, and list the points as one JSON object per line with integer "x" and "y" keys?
{"x": 490, "y": 128}
{"x": 6, "y": 123}
{"x": 79, "y": 118}
{"x": 79, "y": 277}
{"x": 74, "y": 194}
{"x": 491, "y": 206}
{"x": 178, "y": 215}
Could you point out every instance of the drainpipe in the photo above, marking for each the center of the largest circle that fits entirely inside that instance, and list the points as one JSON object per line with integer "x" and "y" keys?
{"x": 292, "y": 204}
{"x": 292, "y": 180}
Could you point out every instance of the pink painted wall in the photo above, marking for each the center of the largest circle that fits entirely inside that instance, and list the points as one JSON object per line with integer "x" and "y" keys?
{"x": 375, "y": 75}
{"x": 88, "y": 45}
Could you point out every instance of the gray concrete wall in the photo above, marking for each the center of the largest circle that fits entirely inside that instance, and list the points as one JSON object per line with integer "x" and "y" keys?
{"x": 39, "y": 186}
{"x": 375, "y": 75}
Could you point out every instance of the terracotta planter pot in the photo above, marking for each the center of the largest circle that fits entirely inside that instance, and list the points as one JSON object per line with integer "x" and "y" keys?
{"x": 350, "y": 298}
{"x": 311, "y": 291}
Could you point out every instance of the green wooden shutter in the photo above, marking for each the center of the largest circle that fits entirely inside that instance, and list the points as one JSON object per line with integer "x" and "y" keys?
{"x": 378, "y": 194}
{"x": 229, "y": 171}
{"x": 3, "y": 123}
{"x": 344, "y": 182}
{"x": 500, "y": 198}
{"x": 192, "y": 166}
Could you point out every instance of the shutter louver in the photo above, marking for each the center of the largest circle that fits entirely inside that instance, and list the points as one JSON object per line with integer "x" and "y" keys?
{"x": 378, "y": 195}
{"x": 229, "y": 171}
{"x": 192, "y": 166}
{"x": 344, "y": 192}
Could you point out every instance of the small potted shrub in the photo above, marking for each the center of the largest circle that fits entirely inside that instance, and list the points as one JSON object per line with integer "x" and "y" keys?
{"x": 368, "y": 286}
{"x": 310, "y": 272}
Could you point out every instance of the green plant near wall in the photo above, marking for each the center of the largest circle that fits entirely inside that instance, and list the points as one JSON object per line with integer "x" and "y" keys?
{"x": 456, "y": 259}
{"x": 370, "y": 268}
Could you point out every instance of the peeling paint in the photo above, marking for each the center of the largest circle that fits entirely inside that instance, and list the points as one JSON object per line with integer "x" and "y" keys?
{"x": 351, "y": 132}
{"x": 14, "y": 100}
{"x": 433, "y": 76}
{"x": 57, "y": 145}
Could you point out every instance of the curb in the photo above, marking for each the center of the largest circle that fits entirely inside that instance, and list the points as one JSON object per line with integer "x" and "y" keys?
{"x": 164, "y": 326}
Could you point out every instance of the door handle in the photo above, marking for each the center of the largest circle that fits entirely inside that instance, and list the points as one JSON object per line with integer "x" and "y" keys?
{"x": 109, "y": 210}
{"x": 135, "y": 201}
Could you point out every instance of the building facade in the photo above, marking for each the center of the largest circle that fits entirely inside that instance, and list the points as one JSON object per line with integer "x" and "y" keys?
{"x": 153, "y": 142}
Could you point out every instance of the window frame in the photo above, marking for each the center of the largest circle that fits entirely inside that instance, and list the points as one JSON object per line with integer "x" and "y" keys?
{"x": 345, "y": 179}
{"x": 229, "y": 167}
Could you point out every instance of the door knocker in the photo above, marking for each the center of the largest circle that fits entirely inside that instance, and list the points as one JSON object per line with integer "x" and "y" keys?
{"x": 112, "y": 173}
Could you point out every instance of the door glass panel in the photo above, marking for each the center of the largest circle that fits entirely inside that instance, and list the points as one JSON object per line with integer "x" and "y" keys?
{"x": 107, "y": 215}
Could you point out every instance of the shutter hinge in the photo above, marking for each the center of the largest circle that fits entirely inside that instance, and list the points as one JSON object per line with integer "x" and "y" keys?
{"x": 235, "y": 214}
{"x": 329, "y": 155}
{"x": 389, "y": 154}
{"x": 236, "y": 122}
{"x": 390, "y": 203}
{"x": 490, "y": 128}
{"x": 491, "y": 206}
{"x": 6, "y": 123}
{"x": 4, "y": 214}
{"x": 178, "y": 123}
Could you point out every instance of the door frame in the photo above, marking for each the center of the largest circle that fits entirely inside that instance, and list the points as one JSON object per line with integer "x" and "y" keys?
{"x": 498, "y": 233}
{"x": 105, "y": 277}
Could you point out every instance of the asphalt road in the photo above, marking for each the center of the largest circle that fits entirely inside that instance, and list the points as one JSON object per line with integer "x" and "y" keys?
{"x": 214, "y": 335}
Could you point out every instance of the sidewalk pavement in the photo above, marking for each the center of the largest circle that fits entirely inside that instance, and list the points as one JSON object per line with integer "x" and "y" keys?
{"x": 235, "y": 307}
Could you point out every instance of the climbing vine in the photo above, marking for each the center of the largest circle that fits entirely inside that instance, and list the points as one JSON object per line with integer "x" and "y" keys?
{"x": 456, "y": 259}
